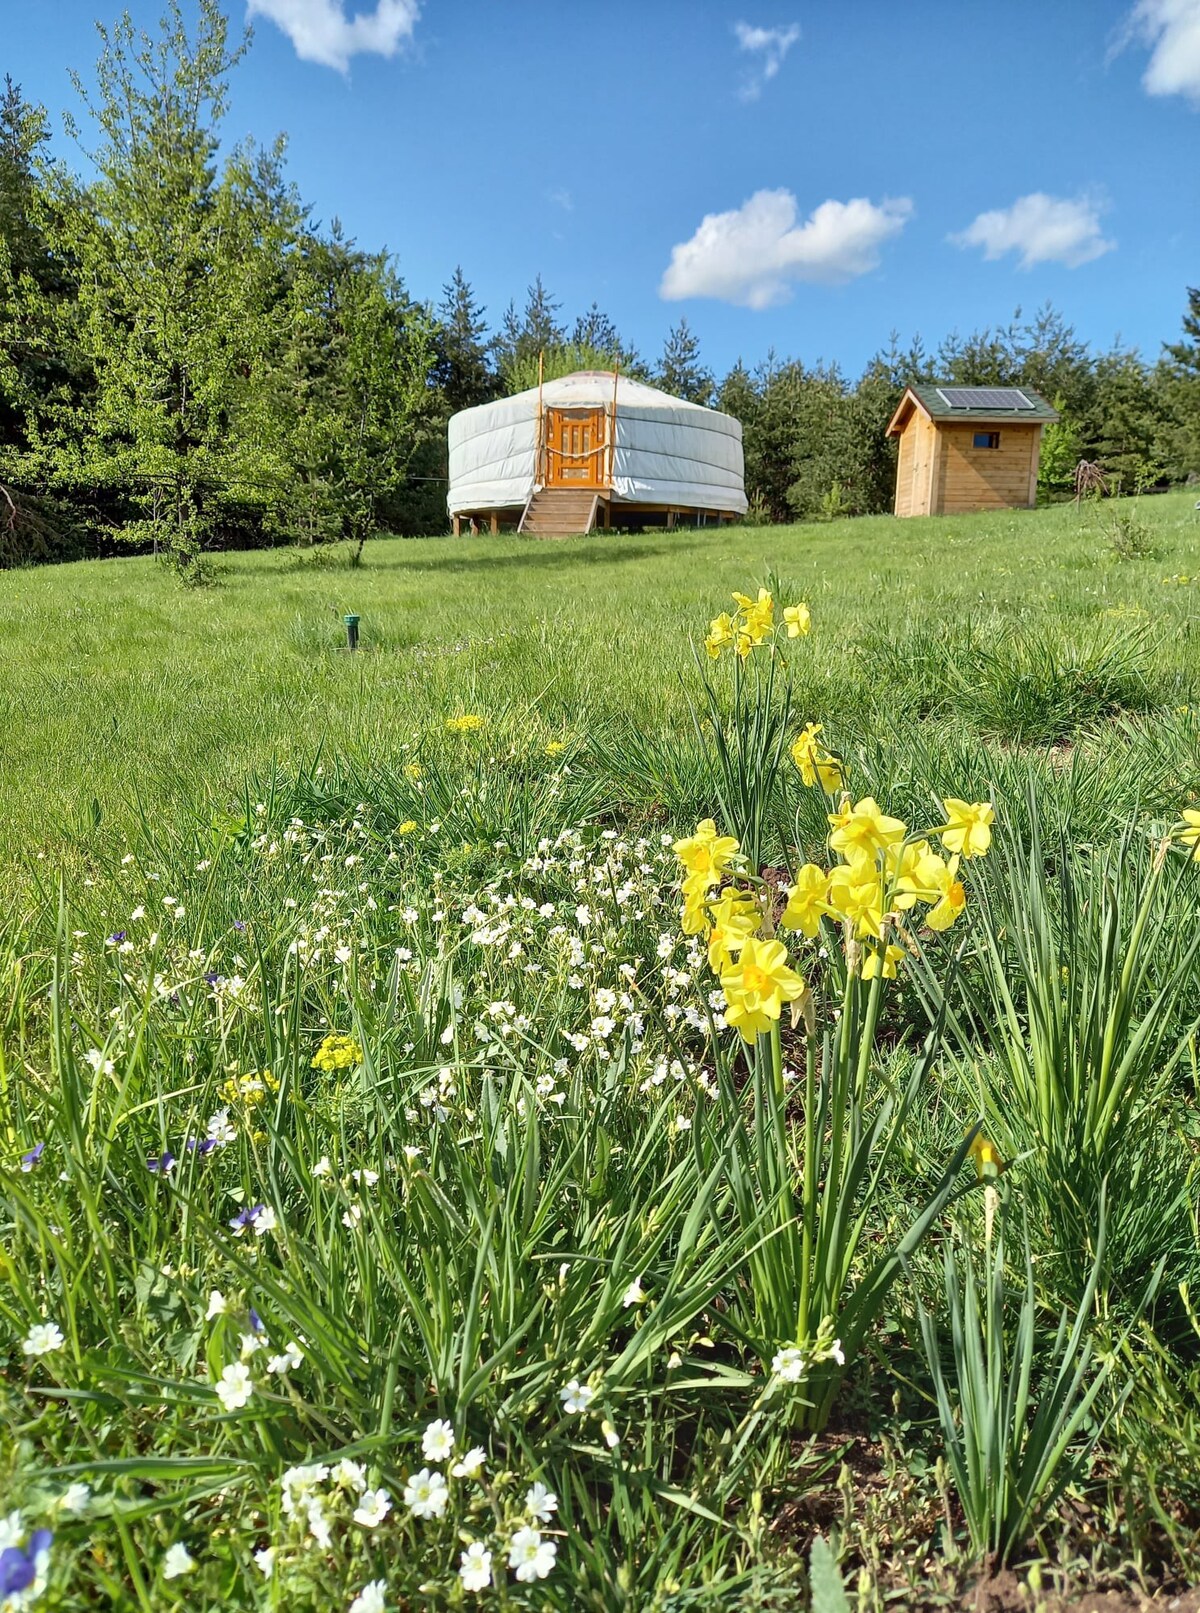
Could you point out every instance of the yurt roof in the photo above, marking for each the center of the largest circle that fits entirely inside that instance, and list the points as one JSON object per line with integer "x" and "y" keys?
{"x": 591, "y": 389}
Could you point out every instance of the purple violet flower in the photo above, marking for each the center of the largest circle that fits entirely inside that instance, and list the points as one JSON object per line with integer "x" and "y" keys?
{"x": 115, "y": 939}
{"x": 20, "y": 1565}
{"x": 201, "y": 1145}
{"x": 245, "y": 1218}
{"x": 33, "y": 1157}
{"x": 161, "y": 1165}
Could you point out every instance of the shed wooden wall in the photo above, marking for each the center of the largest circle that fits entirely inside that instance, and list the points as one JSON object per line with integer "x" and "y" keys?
{"x": 970, "y": 478}
{"x": 939, "y": 471}
{"x": 916, "y": 465}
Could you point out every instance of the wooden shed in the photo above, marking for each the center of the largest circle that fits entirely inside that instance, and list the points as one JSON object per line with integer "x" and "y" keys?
{"x": 968, "y": 448}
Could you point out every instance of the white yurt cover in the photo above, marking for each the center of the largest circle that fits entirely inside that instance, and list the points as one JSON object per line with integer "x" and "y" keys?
{"x": 668, "y": 451}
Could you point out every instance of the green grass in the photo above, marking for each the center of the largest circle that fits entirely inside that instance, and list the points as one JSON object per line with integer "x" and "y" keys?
{"x": 225, "y": 839}
{"x": 116, "y": 688}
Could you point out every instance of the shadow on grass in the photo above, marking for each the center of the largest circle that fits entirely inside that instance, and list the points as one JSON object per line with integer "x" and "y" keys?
{"x": 539, "y": 555}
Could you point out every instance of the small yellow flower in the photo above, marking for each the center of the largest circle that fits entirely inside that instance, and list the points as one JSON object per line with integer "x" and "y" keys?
{"x": 988, "y": 1163}
{"x": 249, "y": 1089}
{"x": 968, "y": 828}
{"x": 815, "y": 762}
{"x": 757, "y": 986}
{"x": 877, "y": 962}
{"x": 706, "y": 854}
{"x": 951, "y": 896}
{"x": 337, "y": 1053}
{"x": 734, "y": 918}
{"x": 1189, "y": 834}
{"x": 856, "y": 895}
{"x": 720, "y": 633}
{"x": 797, "y": 619}
{"x": 807, "y": 900}
{"x": 412, "y": 770}
{"x": 915, "y": 871}
{"x": 407, "y": 827}
{"x": 864, "y": 828}
{"x": 468, "y": 722}
{"x": 555, "y": 747}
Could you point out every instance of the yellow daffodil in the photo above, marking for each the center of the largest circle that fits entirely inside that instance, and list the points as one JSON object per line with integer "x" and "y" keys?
{"x": 988, "y": 1163}
{"x": 968, "y": 828}
{"x": 915, "y": 872}
{"x": 1189, "y": 834}
{"x": 706, "y": 854}
{"x": 807, "y": 900}
{"x": 758, "y": 615}
{"x": 864, "y": 828}
{"x": 877, "y": 962}
{"x": 815, "y": 762}
{"x": 720, "y": 633}
{"x": 951, "y": 897}
{"x": 757, "y": 986}
{"x": 734, "y": 918}
{"x": 693, "y": 917}
{"x": 797, "y": 619}
{"x": 856, "y": 895}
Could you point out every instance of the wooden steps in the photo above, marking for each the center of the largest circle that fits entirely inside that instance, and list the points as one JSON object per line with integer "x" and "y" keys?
{"x": 559, "y": 512}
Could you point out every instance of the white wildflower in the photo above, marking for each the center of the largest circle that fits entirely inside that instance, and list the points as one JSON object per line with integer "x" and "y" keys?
{"x": 234, "y": 1387}
{"x": 531, "y": 1557}
{"x": 372, "y": 1598}
{"x": 576, "y": 1397}
{"x": 426, "y": 1494}
{"x": 43, "y": 1338}
{"x": 177, "y": 1561}
{"x": 540, "y": 1503}
{"x": 475, "y": 1569}
{"x": 437, "y": 1442}
{"x": 373, "y": 1508}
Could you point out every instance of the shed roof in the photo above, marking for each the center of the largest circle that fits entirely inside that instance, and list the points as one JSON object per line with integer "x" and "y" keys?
{"x": 1006, "y": 405}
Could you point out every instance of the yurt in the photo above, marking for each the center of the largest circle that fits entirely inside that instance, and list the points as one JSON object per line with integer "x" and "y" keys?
{"x": 593, "y": 449}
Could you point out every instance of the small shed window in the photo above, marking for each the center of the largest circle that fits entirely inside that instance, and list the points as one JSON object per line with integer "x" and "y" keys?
{"x": 987, "y": 439}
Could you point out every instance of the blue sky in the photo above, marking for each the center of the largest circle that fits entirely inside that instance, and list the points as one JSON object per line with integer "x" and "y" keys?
{"x": 798, "y": 176}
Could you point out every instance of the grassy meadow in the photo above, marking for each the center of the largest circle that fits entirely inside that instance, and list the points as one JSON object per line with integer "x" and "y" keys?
{"x": 441, "y": 1168}
{"x": 118, "y": 690}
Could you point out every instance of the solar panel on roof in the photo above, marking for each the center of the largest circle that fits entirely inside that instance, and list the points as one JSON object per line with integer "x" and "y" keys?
{"x": 984, "y": 397}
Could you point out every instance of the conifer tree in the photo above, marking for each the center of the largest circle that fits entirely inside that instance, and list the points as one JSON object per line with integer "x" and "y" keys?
{"x": 1181, "y": 390}
{"x": 464, "y": 369}
{"x": 680, "y": 371}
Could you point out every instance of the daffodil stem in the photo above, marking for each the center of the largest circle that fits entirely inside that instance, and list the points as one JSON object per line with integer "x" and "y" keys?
{"x": 777, "y": 1064}
{"x": 866, "y": 1041}
{"x": 810, "y": 1183}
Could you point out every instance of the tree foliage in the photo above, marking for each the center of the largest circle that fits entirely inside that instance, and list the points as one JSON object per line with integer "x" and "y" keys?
{"x": 187, "y": 359}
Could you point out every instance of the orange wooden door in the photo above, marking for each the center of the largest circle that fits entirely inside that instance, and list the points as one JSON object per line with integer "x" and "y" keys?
{"x": 575, "y": 448}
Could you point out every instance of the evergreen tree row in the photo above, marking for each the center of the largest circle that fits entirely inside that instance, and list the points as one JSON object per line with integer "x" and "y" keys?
{"x": 188, "y": 360}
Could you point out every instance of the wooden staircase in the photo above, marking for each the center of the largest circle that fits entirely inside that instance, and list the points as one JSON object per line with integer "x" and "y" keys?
{"x": 558, "y": 512}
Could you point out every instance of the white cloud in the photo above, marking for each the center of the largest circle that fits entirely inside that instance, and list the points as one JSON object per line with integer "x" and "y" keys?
{"x": 323, "y": 33}
{"x": 1042, "y": 229}
{"x": 749, "y": 256}
{"x": 1172, "y": 30}
{"x": 769, "y": 46}
{"x": 561, "y": 198}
